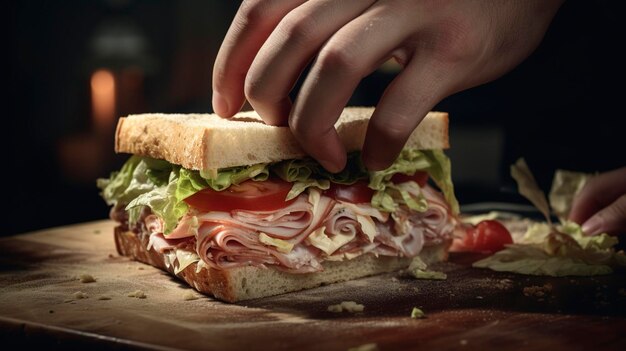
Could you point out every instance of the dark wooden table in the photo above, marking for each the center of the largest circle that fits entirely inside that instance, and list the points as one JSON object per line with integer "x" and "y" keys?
{"x": 472, "y": 309}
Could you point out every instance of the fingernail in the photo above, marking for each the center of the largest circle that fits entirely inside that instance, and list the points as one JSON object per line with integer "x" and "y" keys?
{"x": 374, "y": 165}
{"x": 331, "y": 165}
{"x": 592, "y": 226}
{"x": 373, "y": 160}
{"x": 220, "y": 105}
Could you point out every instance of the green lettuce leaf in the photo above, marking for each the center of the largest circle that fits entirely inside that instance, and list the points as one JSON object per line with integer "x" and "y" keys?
{"x": 565, "y": 186}
{"x": 163, "y": 201}
{"x": 533, "y": 260}
{"x": 435, "y": 162}
{"x": 306, "y": 168}
{"x": 295, "y": 170}
{"x": 131, "y": 181}
{"x": 158, "y": 170}
{"x": 354, "y": 171}
{"x": 299, "y": 187}
{"x": 528, "y": 187}
{"x": 441, "y": 173}
{"x": 189, "y": 183}
{"x": 408, "y": 193}
{"x": 419, "y": 270}
{"x": 234, "y": 175}
{"x": 384, "y": 201}
{"x": 114, "y": 187}
{"x": 408, "y": 162}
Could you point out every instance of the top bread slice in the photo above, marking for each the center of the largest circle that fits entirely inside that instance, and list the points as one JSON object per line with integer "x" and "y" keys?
{"x": 208, "y": 142}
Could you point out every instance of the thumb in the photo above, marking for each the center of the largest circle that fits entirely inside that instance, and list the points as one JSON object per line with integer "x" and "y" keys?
{"x": 611, "y": 219}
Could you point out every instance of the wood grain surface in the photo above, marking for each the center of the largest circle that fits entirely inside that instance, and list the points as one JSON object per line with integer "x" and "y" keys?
{"x": 472, "y": 309}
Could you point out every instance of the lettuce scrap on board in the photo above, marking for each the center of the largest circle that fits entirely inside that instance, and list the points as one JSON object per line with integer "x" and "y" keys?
{"x": 555, "y": 249}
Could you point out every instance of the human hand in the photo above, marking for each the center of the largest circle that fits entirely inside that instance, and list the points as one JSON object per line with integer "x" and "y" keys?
{"x": 443, "y": 46}
{"x": 601, "y": 204}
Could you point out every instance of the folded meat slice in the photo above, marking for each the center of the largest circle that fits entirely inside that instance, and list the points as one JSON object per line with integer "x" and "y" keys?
{"x": 292, "y": 223}
{"x": 225, "y": 246}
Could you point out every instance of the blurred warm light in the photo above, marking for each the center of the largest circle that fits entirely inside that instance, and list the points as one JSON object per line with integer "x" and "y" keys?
{"x": 103, "y": 99}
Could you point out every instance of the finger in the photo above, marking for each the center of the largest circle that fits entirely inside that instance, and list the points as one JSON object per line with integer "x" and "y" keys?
{"x": 347, "y": 57}
{"x": 405, "y": 103}
{"x": 611, "y": 219}
{"x": 288, "y": 49}
{"x": 251, "y": 26}
{"x": 599, "y": 191}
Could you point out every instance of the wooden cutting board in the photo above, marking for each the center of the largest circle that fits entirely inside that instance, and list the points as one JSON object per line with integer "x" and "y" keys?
{"x": 472, "y": 309}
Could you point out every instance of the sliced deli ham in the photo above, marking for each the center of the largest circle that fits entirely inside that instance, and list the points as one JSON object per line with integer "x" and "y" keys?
{"x": 309, "y": 230}
{"x": 223, "y": 246}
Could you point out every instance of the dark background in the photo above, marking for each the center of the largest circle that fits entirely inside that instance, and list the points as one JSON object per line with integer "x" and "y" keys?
{"x": 561, "y": 108}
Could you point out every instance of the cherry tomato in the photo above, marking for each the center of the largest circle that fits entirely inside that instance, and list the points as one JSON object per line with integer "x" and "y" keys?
{"x": 488, "y": 236}
{"x": 249, "y": 195}
{"x": 356, "y": 193}
{"x": 419, "y": 177}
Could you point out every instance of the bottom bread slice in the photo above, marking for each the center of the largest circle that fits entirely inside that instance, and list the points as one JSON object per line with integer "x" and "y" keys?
{"x": 244, "y": 283}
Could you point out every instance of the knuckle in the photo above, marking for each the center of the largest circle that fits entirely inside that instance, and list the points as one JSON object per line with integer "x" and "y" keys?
{"x": 296, "y": 127}
{"x": 253, "y": 89}
{"x": 456, "y": 42}
{"x": 298, "y": 29}
{"x": 251, "y": 12}
{"x": 303, "y": 131}
{"x": 337, "y": 57}
{"x": 395, "y": 127}
{"x": 257, "y": 88}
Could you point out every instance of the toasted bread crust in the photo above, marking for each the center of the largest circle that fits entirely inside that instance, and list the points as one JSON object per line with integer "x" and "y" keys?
{"x": 250, "y": 282}
{"x": 209, "y": 142}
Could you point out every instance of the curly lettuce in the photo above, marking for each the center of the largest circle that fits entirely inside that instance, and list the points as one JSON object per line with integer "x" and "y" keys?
{"x": 389, "y": 196}
{"x": 162, "y": 186}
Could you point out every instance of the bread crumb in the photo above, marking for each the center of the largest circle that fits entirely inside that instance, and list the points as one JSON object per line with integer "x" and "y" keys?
{"x": 348, "y": 306}
{"x": 138, "y": 294}
{"x": 104, "y": 297}
{"x": 463, "y": 342}
{"x": 537, "y": 291}
{"x": 504, "y": 284}
{"x": 189, "y": 295}
{"x": 86, "y": 278}
{"x": 365, "y": 347}
{"x": 335, "y": 308}
{"x": 80, "y": 295}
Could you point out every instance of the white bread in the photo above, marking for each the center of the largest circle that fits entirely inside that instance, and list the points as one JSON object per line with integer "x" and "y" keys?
{"x": 209, "y": 142}
{"x": 249, "y": 282}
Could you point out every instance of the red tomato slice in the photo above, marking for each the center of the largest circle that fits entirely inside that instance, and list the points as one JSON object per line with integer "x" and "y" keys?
{"x": 487, "y": 236}
{"x": 419, "y": 177}
{"x": 356, "y": 193}
{"x": 267, "y": 195}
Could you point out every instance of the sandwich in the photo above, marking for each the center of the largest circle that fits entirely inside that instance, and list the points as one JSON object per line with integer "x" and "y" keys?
{"x": 237, "y": 210}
